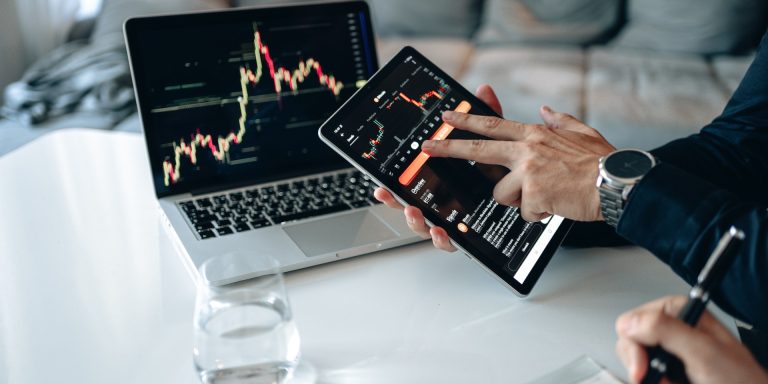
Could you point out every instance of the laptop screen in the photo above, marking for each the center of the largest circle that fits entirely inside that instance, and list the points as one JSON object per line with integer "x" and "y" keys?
{"x": 236, "y": 97}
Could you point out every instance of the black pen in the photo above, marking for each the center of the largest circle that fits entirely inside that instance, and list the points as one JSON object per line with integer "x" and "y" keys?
{"x": 660, "y": 362}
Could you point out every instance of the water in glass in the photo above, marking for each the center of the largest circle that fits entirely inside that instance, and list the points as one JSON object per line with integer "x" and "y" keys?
{"x": 244, "y": 333}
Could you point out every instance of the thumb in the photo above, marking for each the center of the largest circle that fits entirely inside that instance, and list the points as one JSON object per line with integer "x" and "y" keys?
{"x": 488, "y": 96}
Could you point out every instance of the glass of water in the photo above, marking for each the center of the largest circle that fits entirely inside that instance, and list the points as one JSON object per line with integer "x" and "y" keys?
{"x": 244, "y": 331}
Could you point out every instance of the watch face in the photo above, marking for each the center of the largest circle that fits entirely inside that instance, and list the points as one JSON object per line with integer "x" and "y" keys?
{"x": 628, "y": 164}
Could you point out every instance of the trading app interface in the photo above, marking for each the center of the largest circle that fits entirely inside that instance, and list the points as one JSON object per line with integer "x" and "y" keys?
{"x": 386, "y": 134}
{"x": 244, "y": 100}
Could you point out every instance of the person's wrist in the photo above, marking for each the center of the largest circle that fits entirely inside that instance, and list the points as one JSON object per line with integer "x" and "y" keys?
{"x": 595, "y": 208}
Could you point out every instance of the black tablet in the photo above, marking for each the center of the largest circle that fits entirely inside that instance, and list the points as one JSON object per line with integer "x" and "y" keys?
{"x": 380, "y": 130}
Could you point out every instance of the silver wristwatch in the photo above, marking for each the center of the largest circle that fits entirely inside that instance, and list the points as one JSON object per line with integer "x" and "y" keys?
{"x": 618, "y": 173}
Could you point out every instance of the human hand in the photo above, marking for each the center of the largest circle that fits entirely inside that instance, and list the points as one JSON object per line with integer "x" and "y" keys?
{"x": 709, "y": 352}
{"x": 413, "y": 215}
{"x": 553, "y": 166}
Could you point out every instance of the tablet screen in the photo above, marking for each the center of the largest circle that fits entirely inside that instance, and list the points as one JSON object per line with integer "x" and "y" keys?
{"x": 381, "y": 129}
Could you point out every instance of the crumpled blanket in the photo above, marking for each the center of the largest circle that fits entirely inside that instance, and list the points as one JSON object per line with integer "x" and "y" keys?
{"x": 77, "y": 76}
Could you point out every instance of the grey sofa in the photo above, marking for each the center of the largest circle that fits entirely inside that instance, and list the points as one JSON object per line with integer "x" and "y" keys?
{"x": 640, "y": 71}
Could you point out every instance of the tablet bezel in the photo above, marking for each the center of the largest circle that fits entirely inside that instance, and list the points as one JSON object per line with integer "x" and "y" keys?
{"x": 365, "y": 93}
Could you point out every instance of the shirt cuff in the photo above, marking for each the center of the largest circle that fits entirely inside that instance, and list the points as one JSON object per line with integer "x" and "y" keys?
{"x": 667, "y": 211}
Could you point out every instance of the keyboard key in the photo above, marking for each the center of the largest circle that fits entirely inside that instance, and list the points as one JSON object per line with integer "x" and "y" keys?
{"x": 188, "y": 206}
{"x": 358, "y": 204}
{"x": 207, "y": 234}
{"x": 203, "y": 226}
{"x": 260, "y": 223}
{"x": 224, "y": 231}
{"x": 241, "y": 219}
{"x": 224, "y": 223}
{"x": 206, "y": 218}
{"x": 242, "y": 227}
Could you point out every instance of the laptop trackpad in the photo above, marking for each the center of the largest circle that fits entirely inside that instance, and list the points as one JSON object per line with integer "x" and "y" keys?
{"x": 339, "y": 233}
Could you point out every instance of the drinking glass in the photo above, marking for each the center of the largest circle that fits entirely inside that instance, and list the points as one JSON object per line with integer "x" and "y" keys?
{"x": 244, "y": 332}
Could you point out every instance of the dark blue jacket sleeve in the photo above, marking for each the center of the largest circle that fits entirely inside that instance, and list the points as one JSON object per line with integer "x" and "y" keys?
{"x": 706, "y": 183}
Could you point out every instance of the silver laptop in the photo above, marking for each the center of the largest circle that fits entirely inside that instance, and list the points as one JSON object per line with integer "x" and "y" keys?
{"x": 230, "y": 104}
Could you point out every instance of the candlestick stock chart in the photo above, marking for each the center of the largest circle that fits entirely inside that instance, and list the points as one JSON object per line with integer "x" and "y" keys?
{"x": 413, "y": 109}
{"x": 230, "y": 105}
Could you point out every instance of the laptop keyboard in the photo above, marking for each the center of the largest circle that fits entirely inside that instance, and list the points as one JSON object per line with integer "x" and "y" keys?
{"x": 244, "y": 210}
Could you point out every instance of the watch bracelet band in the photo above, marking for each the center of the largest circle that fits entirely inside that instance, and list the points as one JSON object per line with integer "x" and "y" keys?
{"x": 611, "y": 205}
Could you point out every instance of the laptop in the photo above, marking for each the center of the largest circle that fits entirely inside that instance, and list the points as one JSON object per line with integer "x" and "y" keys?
{"x": 230, "y": 104}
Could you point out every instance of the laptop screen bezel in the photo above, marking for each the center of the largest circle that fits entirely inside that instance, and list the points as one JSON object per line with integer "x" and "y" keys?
{"x": 135, "y": 27}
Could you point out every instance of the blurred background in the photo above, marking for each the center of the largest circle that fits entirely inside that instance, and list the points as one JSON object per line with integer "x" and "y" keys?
{"x": 643, "y": 72}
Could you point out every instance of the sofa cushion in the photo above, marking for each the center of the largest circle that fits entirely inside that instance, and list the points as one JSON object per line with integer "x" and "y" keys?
{"x": 694, "y": 26}
{"x": 643, "y": 100}
{"x": 449, "y": 18}
{"x": 525, "y": 78}
{"x": 450, "y": 54}
{"x": 548, "y": 21}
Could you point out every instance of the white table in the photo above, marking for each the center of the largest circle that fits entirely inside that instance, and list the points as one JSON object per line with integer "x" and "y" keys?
{"x": 91, "y": 290}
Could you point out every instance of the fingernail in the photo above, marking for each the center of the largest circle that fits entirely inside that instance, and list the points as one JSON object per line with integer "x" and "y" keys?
{"x": 448, "y": 115}
{"x": 428, "y": 144}
{"x": 546, "y": 109}
{"x": 410, "y": 220}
